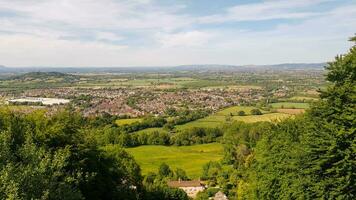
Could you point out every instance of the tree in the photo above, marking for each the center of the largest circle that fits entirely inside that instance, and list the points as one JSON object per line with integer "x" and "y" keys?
{"x": 45, "y": 157}
{"x": 241, "y": 113}
{"x": 331, "y": 145}
{"x": 312, "y": 156}
{"x": 180, "y": 174}
{"x": 164, "y": 170}
{"x": 256, "y": 112}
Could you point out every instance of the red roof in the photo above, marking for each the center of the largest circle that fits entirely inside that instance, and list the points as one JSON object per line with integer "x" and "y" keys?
{"x": 184, "y": 184}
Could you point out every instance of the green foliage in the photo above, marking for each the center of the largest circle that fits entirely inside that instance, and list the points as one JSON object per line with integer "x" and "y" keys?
{"x": 312, "y": 156}
{"x": 241, "y": 113}
{"x": 45, "y": 157}
{"x": 180, "y": 174}
{"x": 156, "y": 187}
{"x": 256, "y": 112}
{"x": 196, "y": 136}
{"x": 164, "y": 170}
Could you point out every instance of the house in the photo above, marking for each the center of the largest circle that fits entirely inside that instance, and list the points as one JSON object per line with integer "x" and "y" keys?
{"x": 190, "y": 187}
{"x": 220, "y": 196}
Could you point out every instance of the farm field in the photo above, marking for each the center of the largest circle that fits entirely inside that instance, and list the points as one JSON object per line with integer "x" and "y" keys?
{"x": 149, "y": 130}
{"x": 303, "y": 98}
{"x": 219, "y": 118}
{"x": 270, "y": 117}
{"x": 121, "y": 122}
{"x": 189, "y": 158}
{"x": 290, "y": 105}
{"x": 291, "y": 111}
{"x": 233, "y": 110}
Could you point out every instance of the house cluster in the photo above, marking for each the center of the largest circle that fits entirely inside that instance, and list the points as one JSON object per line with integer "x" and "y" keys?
{"x": 141, "y": 101}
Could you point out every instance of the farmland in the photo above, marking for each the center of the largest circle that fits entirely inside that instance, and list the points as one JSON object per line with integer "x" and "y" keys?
{"x": 230, "y": 114}
{"x": 122, "y": 122}
{"x": 189, "y": 158}
{"x": 290, "y": 105}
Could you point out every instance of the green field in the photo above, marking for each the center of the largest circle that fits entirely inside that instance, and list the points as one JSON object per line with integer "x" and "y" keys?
{"x": 303, "y": 98}
{"x": 233, "y": 110}
{"x": 270, "y": 117}
{"x": 189, "y": 158}
{"x": 121, "y": 122}
{"x": 219, "y": 118}
{"x": 149, "y": 130}
{"x": 290, "y": 105}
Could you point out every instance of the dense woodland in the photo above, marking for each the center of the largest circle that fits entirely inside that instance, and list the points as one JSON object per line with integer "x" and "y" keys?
{"x": 68, "y": 156}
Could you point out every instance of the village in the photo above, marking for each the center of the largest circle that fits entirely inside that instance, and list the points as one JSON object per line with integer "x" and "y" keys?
{"x": 136, "y": 102}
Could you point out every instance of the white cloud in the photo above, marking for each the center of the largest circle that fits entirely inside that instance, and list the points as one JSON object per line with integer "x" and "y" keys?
{"x": 157, "y": 35}
{"x": 185, "y": 39}
{"x": 108, "y": 36}
{"x": 280, "y": 9}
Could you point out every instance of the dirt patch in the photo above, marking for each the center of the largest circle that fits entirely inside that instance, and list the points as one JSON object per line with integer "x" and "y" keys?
{"x": 291, "y": 111}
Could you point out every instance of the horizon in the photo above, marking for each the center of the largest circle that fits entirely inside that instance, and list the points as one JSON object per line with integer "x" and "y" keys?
{"x": 115, "y": 33}
{"x": 163, "y": 66}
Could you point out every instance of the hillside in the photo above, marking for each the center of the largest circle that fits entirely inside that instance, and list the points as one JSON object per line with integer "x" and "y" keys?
{"x": 45, "y": 77}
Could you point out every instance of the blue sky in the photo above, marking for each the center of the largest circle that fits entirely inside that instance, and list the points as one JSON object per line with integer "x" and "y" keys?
{"x": 173, "y": 32}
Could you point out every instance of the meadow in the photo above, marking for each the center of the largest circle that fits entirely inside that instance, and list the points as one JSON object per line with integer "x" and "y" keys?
{"x": 121, "y": 122}
{"x": 189, "y": 158}
{"x": 290, "y": 105}
{"x": 230, "y": 114}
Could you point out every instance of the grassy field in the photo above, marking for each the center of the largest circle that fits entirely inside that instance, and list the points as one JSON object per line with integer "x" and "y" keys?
{"x": 150, "y": 130}
{"x": 270, "y": 117}
{"x": 219, "y": 118}
{"x": 121, "y": 122}
{"x": 290, "y": 105}
{"x": 233, "y": 110}
{"x": 303, "y": 98}
{"x": 189, "y": 158}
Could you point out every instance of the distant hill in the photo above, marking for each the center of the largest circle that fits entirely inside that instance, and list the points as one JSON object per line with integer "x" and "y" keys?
{"x": 165, "y": 69}
{"x": 45, "y": 77}
{"x": 285, "y": 66}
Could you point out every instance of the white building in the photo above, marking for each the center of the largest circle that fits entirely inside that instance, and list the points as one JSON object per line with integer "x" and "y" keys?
{"x": 190, "y": 187}
{"x": 44, "y": 101}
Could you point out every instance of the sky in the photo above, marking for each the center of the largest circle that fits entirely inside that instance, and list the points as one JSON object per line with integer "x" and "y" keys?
{"x": 76, "y": 33}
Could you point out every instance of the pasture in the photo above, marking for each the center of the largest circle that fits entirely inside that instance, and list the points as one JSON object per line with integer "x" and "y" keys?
{"x": 221, "y": 117}
{"x": 269, "y": 117}
{"x": 121, "y": 122}
{"x": 290, "y": 105}
{"x": 189, "y": 158}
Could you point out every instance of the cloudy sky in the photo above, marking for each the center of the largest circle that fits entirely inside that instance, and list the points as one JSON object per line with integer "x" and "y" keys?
{"x": 173, "y": 32}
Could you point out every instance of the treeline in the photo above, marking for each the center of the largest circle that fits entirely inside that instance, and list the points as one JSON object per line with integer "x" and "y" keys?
{"x": 113, "y": 135}
{"x": 175, "y": 118}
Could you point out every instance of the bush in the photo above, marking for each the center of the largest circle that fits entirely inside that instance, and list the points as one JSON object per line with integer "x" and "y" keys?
{"x": 241, "y": 113}
{"x": 256, "y": 112}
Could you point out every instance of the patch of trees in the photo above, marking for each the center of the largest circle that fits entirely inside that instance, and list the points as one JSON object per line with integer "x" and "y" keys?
{"x": 184, "y": 116}
{"x": 147, "y": 122}
{"x": 114, "y": 135}
{"x": 156, "y": 184}
{"x": 196, "y": 136}
{"x": 55, "y": 157}
{"x": 48, "y": 158}
{"x": 256, "y": 112}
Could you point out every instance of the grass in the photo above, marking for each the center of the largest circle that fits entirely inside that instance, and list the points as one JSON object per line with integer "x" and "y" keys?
{"x": 219, "y": 118}
{"x": 290, "y": 105}
{"x": 121, "y": 122}
{"x": 270, "y": 117}
{"x": 303, "y": 98}
{"x": 149, "y": 130}
{"x": 233, "y": 110}
{"x": 189, "y": 158}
